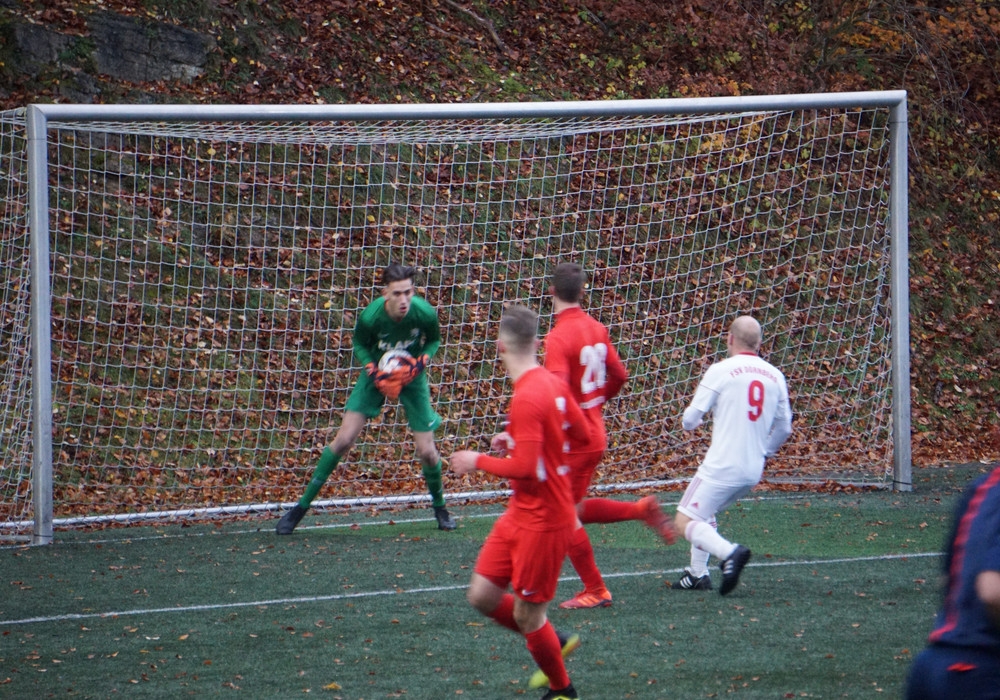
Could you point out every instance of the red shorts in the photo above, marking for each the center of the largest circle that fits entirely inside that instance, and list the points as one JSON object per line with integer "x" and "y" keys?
{"x": 529, "y": 560}
{"x": 582, "y": 466}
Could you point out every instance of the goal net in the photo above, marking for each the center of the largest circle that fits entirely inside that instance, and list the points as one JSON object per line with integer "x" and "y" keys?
{"x": 15, "y": 309}
{"x": 206, "y": 275}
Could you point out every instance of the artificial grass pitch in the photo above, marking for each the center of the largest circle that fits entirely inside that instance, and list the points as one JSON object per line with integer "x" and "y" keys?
{"x": 836, "y": 601}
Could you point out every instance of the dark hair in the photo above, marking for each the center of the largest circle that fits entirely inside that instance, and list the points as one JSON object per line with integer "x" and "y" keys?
{"x": 394, "y": 272}
{"x": 568, "y": 280}
{"x": 519, "y": 327}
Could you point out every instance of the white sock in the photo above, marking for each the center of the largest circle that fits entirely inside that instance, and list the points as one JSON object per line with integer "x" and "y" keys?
{"x": 699, "y": 562}
{"x": 706, "y": 537}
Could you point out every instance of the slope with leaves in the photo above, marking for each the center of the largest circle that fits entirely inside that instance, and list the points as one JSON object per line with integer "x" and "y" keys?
{"x": 945, "y": 56}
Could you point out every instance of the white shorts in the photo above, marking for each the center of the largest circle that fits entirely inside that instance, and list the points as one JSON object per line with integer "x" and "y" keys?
{"x": 705, "y": 497}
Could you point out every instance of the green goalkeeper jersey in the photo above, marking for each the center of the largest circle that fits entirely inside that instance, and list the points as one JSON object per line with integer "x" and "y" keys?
{"x": 375, "y": 333}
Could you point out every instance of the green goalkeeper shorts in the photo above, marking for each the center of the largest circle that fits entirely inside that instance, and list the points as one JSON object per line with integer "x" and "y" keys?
{"x": 415, "y": 397}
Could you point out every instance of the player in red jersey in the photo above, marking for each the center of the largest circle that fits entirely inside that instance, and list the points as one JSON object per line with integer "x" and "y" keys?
{"x": 527, "y": 545}
{"x": 579, "y": 350}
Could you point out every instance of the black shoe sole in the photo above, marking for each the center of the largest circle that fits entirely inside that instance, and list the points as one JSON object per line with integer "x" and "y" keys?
{"x": 692, "y": 588}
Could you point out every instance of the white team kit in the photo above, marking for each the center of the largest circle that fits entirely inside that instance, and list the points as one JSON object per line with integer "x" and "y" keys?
{"x": 748, "y": 399}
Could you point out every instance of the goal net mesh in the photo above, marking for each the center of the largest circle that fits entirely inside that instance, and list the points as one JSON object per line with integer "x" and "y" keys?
{"x": 15, "y": 311}
{"x": 206, "y": 278}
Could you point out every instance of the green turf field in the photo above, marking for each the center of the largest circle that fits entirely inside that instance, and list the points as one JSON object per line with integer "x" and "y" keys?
{"x": 837, "y": 600}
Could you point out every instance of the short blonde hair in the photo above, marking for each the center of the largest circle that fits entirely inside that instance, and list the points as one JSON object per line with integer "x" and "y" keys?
{"x": 519, "y": 328}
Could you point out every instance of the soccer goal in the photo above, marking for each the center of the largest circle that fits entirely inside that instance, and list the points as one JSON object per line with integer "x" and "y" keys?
{"x": 181, "y": 283}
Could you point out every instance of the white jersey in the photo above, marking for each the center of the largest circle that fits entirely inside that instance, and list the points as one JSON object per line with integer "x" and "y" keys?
{"x": 752, "y": 418}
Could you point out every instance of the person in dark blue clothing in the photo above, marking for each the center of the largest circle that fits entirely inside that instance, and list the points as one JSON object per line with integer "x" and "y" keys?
{"x": 962, "y": 657}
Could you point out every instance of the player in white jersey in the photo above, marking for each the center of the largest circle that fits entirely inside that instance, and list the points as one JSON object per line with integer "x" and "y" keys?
{"x": 751, "y": 419}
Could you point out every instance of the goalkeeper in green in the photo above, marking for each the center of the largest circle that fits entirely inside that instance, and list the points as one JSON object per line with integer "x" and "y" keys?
{"x": 397, "y": 320}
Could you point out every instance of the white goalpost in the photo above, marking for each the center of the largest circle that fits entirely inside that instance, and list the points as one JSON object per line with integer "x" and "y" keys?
{"x": 181, "y": 283}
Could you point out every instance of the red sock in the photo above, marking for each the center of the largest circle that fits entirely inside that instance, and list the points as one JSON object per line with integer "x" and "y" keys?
{"x": 581, "y": 556}
{"x": 545, "y": 649}
{"x": 504, "y": 613}
{"x": 607, "y": 510}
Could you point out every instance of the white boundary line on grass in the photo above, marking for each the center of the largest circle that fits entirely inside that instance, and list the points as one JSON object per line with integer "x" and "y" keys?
{"x": 125, "y": 538}
{"x": 411, "y": 591}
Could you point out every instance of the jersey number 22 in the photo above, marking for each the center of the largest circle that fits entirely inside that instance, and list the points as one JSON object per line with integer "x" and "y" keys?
{"x": 595, "y": 372}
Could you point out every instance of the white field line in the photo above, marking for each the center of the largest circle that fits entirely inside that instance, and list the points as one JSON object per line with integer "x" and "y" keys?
{"x": 412, "y": 591}
{"x": 124, "y": 538}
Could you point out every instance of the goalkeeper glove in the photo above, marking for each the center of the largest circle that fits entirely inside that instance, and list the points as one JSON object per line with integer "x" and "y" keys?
{"x": 409, "y": 368}
{"x": 392, "y": 383}
{"x": 371, "y": 368}
{"x": 420, "y": 364}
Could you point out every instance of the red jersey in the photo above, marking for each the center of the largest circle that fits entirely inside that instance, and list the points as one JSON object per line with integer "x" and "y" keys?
{"x": 543, "y": 420}
{"x": 579, "y": 349}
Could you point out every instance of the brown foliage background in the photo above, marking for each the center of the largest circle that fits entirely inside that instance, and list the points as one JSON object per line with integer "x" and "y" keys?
{"x": 945, "y": 55}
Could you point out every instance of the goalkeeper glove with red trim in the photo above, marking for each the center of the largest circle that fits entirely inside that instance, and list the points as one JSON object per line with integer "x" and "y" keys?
{"x": 420, "y": 364}
{"x": 392, "y": 383}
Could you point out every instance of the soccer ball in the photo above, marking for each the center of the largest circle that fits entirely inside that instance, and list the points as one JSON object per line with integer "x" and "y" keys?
{"x": 391, "y": 360}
